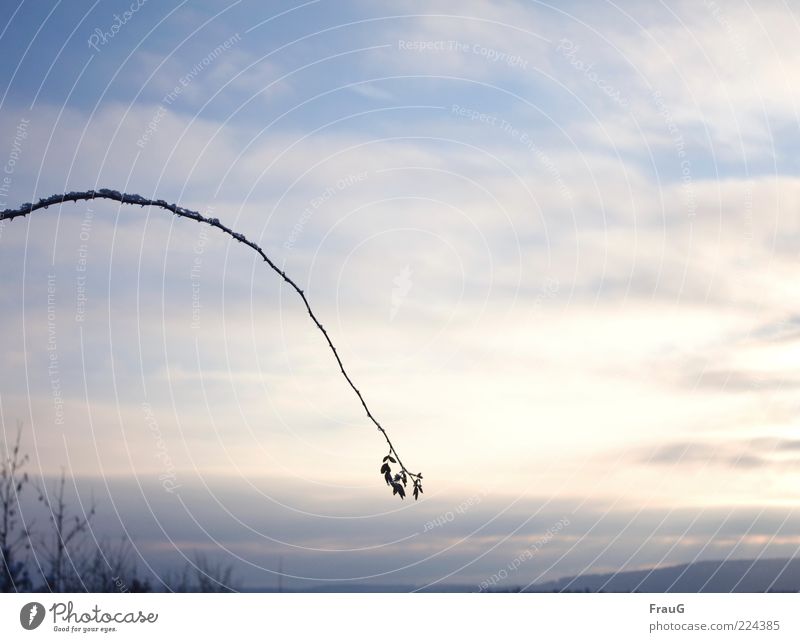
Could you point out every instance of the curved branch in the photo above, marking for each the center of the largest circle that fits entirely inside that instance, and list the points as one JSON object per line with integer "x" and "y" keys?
{"x": 135, "y": 199}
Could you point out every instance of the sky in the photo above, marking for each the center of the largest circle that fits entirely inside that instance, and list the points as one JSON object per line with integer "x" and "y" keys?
{"x": 554, "y": 244}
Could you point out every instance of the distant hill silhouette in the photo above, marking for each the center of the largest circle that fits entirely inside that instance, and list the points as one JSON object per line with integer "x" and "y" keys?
{"x": 741, "y": 576}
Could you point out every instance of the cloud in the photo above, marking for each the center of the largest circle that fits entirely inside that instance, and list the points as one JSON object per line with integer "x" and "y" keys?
{"x": 743, "y": 454}
{"x": 327, "y": 535}
{"x": 577, "y": 298}
{"x": 492, "y": 43}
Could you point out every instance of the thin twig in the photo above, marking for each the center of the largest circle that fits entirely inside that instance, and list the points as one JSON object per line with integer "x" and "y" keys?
{"x": 135, "y": 199}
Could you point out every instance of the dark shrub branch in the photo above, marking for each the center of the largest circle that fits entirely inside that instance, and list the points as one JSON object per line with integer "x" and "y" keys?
{"x": 398, "y": 482}
{"x": 14, "y": 531}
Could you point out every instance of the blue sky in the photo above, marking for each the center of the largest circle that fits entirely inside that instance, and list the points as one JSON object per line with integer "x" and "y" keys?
{"x": 556, "y": 246}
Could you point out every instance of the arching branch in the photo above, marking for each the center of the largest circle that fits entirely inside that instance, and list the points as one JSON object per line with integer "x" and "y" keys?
{"x": 397, "y": 481}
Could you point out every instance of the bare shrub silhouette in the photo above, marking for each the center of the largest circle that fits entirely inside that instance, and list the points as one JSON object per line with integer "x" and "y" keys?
{"x": 397, "y": 482}
{"x": 112, "y": 569}
{"x": 65, "y": 556}
{"x": 14, "y": 534}
{"x": 202, "y": 575}
{"x": 64, "y": 549}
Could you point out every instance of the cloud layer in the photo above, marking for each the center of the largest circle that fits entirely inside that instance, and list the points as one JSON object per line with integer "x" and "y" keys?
{"x": 555, "y": 247}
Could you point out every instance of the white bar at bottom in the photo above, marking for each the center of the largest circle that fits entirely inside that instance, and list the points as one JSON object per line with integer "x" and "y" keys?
{"x": 414, "y": 617}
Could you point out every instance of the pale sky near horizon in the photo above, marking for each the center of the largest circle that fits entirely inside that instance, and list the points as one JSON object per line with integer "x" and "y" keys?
{"x": 555, "y": 244}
